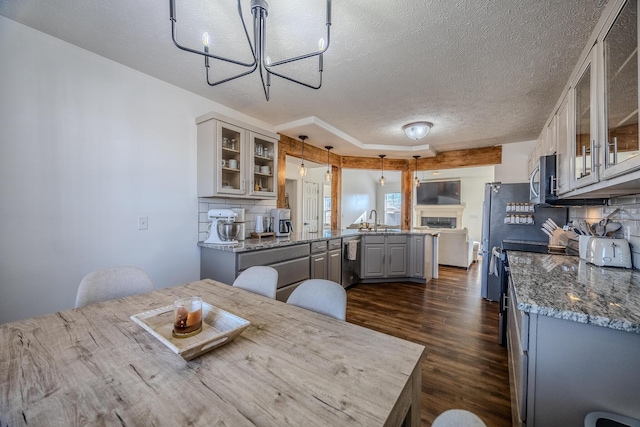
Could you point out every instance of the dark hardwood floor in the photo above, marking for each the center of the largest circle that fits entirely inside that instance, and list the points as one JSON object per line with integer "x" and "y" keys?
{"x": 464, "y": 367}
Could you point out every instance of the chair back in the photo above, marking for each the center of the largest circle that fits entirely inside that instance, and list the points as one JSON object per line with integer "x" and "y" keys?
{"x": 112, "y": 283}
{"x": 322, "y": 296}
{"x": 259, "y": 280}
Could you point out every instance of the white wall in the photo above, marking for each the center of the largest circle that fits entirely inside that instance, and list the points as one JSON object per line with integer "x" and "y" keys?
{"x": 359, "y": 195}
{"x": 88, "y": 146}
{"x": 514, "y": 167}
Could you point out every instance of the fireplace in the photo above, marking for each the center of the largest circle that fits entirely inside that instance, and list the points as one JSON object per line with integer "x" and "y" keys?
{"x": 438, "y": 222}
{"x": 438, "y": 216}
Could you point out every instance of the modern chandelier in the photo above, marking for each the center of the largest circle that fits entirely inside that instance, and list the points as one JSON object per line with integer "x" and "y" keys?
{"x": 262, "y": 63}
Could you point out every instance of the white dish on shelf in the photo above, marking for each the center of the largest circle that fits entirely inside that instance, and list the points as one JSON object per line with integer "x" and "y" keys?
{"x": 219, "y": 327}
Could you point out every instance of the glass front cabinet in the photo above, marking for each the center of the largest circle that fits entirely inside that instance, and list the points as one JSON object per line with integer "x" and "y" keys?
{"x": 236, "y": 161}
{"x": 597, "y": 123}
{"x": 619, "y": 106}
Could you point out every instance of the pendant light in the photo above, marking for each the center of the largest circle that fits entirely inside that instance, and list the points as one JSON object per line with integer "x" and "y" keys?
{"x": 382, "y": 179}
{"x": 416, "y": 181}
{"x": 302, "y": 170}
{"x": 327, "y": 174}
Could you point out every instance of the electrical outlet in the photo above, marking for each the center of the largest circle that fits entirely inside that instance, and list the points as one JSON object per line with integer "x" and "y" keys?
{"x": 143, "y": 223}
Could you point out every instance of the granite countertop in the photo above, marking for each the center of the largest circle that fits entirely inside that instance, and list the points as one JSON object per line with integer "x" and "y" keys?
{"x": 298, "y": 238}
{"x": 568, "y": 288}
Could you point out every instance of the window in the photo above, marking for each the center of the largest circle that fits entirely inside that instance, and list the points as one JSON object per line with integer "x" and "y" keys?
{"x": 327, "y": 212}
{"x": 392, "y": 208}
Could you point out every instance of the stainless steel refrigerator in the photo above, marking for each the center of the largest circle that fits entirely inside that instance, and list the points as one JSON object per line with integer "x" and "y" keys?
{"x": 497, "y": 196}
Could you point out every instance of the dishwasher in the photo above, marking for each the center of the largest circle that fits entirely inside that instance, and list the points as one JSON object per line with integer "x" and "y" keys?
{"x": 350, "y": 267}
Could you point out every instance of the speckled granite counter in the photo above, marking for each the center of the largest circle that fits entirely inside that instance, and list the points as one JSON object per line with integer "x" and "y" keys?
{"x": 297, "y": 238}
{"x": 566, "y": 287}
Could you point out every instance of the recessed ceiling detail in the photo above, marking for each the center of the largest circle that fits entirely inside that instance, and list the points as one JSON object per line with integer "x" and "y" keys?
{"x": 346, "y": 145}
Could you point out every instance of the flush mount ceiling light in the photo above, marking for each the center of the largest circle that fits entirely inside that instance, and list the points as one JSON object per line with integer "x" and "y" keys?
{"x": 382, "y": 179}
{"x": 302, "y": 169}
{"x": 417, "y": 130}
{"x": 416, "y": 181}
{"x": 327, "y": 174}
{"x": 262, "y": 63}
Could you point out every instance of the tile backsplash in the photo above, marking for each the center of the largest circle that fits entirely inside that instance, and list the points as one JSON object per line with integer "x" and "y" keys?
{"x": 626, "y": 211}
{"x": 251, "y": 209}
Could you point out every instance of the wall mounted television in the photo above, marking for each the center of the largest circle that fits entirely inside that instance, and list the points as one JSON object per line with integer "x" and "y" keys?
{"x": 438, "y": 193}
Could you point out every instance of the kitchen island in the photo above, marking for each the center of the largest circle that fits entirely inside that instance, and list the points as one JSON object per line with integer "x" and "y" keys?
{"x": 302, "y": 256}
{"x": 573, "y": 339}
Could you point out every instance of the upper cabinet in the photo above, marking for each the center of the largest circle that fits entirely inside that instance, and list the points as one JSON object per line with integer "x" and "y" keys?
{"x": 235, "y": 159}
{"x": 619, "y": 56}
{"x": 596, "y": 124}
{"x": 584, "y": 147}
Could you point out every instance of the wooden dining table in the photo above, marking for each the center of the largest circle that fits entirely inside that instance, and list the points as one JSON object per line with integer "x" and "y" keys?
{"x": 290, "y": 367}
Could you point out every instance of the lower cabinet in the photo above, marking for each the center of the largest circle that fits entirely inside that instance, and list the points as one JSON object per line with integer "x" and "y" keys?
{"x": 417, "y": 261}
{"x": 560, "y": 370}
{"x": 334, "y": 260}
{"x": 326, "y": 260}
{"x": 384, "y": 256}
{"x": 291, "y": 262}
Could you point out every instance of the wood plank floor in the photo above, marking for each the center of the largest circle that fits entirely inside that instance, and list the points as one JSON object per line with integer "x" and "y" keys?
{"x": 464, "y": 367}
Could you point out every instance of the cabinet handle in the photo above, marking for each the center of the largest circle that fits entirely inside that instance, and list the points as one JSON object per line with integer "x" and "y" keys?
{"x": 584, "y": 162}
{"x": 594, "y": 154}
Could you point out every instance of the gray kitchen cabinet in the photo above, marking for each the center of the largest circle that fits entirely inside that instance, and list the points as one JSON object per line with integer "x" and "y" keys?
{"x": 235, "y": 159}
{"x": 319, "y": 266}
{"x": 560, "y": 370}
{"x": 319, "y": 261}
{"x": 373, "y": 251}
{"x": 384, "y": 256}
{"x": 334, "y": 260}
{"x": 396, "y": 251}
{"x": 417, "y": 256}
{"x": 291, "y": 262}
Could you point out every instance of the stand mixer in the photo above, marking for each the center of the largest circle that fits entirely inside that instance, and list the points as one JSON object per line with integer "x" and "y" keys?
{"x": 217, "y": 215}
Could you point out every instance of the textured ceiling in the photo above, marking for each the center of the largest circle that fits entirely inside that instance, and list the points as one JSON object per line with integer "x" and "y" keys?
{"x": 485, "y": 72}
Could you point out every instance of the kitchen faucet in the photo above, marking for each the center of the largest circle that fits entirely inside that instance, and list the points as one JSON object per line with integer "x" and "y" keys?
{"x": 375, "y": 219}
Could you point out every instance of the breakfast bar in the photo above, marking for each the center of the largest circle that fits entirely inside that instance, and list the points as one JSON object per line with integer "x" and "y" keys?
{"x": 291, "y": 366}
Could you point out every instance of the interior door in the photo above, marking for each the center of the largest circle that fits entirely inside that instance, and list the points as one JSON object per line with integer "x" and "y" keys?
{"x": 310, "y": 206}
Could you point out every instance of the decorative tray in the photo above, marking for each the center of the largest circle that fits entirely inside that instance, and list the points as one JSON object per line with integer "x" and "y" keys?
{"x": 218, "y": 328}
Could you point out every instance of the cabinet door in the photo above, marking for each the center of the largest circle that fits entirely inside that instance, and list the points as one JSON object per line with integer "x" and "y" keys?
{"x": 373, "y": 260}
{"x": 263, "y": 166}
{"x": 564, "y": 144}
{"x": 231, "y": 165}
{"x": 397, "y": 260}
{"x": 584, "y": 150}
{"x": 334, "y": 268}
{"x": 620, "y": 77}
{"x": 319, "y": 266}
{"x": 416, "y": 255}
{"x": 552, "y": 136}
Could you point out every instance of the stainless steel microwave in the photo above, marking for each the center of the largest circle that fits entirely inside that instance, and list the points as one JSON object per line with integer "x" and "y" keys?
{"x": 542, "y": 186}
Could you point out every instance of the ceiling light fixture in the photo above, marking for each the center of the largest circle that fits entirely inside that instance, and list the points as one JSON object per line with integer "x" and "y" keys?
{"x": 416, "y": 181}
{"x": 262, "y": 63}
{"x": 417, "y": 130}
{"x": 302, "y": 170}
{"x": 382, "y": 179}
{"x": 327, "y": 174}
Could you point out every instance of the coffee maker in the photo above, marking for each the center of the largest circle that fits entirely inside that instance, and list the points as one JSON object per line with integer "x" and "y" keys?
{"x": 282, "y": 222}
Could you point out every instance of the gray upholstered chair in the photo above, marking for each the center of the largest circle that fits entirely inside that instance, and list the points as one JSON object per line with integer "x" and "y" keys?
{"x": 322, "y": 296}
{"x": 259, "y": 280}
{"x": 111, "y": 283}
